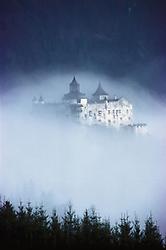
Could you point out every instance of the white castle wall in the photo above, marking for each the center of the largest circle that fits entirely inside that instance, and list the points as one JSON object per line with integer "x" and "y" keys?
{"x": 114, "y": 112}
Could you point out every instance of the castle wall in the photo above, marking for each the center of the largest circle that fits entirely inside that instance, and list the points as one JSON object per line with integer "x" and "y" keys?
{"x": 114, "y": 113}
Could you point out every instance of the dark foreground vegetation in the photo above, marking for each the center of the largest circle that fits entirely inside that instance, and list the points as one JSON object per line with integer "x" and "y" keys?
{"x": 26, "y": 227}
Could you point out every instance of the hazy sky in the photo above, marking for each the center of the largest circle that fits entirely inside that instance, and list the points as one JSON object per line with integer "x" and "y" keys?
{"x": 119, "y": 38}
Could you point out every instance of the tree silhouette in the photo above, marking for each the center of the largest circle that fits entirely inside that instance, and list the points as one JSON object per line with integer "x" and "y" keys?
{"x": 125, "y": 232}
{"x": 151, "y": 235}
{"x": 136, "y": 234}
{"x": 85, "y": 230}
{"x": 70, "y": 227}
{"x": 7, "y": 223}
{"x": 55, "y": 231}
{"x": 32, "y": 228}
{"x": 115, "y": 235}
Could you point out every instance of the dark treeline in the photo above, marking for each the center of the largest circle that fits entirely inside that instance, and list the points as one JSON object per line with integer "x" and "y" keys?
{"x": 26, "y": 227}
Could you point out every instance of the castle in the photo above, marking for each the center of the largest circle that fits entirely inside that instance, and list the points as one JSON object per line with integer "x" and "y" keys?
{"x": 101, "y": 109}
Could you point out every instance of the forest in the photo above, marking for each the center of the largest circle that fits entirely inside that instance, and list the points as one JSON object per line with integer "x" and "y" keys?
{"x": 28, "y": 227}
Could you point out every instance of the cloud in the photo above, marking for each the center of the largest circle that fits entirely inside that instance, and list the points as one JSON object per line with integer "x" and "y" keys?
{"x": 56, "y": 160}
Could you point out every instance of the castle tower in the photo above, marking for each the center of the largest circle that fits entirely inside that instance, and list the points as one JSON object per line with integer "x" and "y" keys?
{"x": 74, "y": 86}
{"x": 100, "y": 94}
{"x": 74, "y": 94}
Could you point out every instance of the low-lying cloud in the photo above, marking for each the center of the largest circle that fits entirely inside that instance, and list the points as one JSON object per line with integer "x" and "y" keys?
{"x": 57, "y": 161}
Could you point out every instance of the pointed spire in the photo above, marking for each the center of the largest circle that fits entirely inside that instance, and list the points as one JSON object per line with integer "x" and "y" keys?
{"x": 74, "y": 90}
{"x": 74, "y": 81}
{"x": 74, "y": 85}
{"x": 99, "y": 91}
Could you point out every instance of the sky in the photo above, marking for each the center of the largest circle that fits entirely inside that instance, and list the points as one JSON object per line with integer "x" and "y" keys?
{"x": 122, "y": 38}
{"x": 43, "y": 45}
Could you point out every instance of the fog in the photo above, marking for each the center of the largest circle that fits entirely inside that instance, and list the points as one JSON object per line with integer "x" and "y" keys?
{"x": 54, "y": 162}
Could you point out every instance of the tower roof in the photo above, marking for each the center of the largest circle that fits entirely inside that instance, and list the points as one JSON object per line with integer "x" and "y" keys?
{"x": 74, "y": 82}
{"x": 74, "y": 92}
{"x": 100, "y": 91}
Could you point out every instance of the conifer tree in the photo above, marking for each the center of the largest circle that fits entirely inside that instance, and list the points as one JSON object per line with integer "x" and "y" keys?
{"x": 105, "y": 234}
{"x": 95, "y": 225}
{"x": 40, "y": 225}
{"x": 55, "y": 230}
{"x": 125, "y": 232}
{"x": 70, "y": 227}
{"x": 85, "y": 229}
{"x": 8, "y": 222}
{"x": 22, "y": 226}
{"x": 136, "y": 234}
{"x": 115, "y": 234}
{"x": 151, "y": 235}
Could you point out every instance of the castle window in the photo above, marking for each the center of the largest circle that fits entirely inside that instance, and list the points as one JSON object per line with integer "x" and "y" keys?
{"x": 90, "y": 113}
{"x": 119, "y": 111}
{"x": 99, "y": 112}
{"x": 109, "y": 111}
